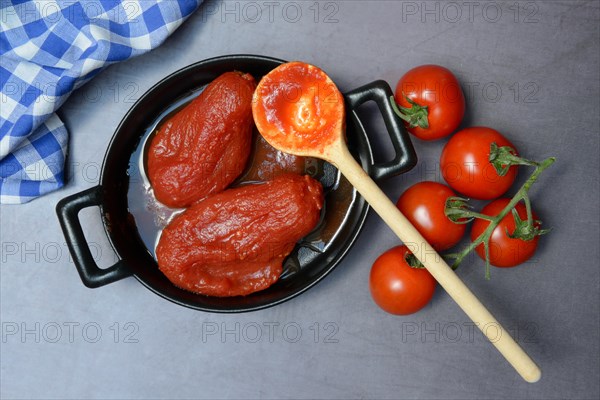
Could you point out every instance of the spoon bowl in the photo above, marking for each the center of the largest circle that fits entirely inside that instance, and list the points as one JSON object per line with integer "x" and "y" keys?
{"x": 298, "y": 109}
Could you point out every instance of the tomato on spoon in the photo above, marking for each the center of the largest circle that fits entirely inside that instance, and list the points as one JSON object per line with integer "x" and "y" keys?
{"x": 297, "y": 106}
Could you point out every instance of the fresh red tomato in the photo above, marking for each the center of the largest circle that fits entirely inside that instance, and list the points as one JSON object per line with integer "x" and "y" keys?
{"x": 436, "y": 88}
{"x": 423, "y": 204}
{"x": 397, "y": 287}
{"x": 504, "y": 250}
{"x": 466, "y": 167}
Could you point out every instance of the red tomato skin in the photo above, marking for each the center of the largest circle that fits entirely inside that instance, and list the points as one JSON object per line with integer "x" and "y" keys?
{"x": 398, "y": 288}
{"x": 465, "y": 164}
{"x": 423, "y": 204}
{"x": 437, "y": 88}
{"x": 505, "y": 252}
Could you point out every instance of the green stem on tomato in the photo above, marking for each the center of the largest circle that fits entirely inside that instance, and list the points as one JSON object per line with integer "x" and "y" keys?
{"x": 502, "y": 158}
{"x": 414, "y": 116}
{"x": 413, "y": 261}
{"x": 460, "y": 210}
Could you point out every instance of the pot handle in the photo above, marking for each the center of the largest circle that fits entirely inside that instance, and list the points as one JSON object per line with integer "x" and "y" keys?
{"x": 405, "y": 159}
{"x": 67, "y": 210}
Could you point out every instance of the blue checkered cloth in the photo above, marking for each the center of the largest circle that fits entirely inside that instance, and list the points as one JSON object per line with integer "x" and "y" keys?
{"x": 49, "y": 48}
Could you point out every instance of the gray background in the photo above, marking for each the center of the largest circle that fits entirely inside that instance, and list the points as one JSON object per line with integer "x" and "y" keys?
{"x": 531, "y": 75}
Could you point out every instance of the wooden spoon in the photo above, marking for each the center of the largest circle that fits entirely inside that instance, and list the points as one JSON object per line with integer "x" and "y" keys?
{"x": 298, "y": 109}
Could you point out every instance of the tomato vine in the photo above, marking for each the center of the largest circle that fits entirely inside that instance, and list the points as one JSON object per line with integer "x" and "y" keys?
{"x": 460, "y": 211}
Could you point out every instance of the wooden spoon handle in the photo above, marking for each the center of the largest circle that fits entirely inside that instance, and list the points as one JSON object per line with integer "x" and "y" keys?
{"x": 435, "y": 264}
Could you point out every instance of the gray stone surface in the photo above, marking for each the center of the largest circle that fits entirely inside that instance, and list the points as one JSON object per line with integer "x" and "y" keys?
{"x": 533, "y": 75}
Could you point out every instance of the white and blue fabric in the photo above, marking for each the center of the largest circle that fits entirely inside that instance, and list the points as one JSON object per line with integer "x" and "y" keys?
{"x": 49, "y": 48}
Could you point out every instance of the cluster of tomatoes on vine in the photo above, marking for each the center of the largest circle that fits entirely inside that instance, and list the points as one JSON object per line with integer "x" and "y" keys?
{"x": 477, "y": 163}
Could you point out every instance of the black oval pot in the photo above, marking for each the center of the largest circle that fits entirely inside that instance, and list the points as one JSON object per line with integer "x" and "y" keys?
{"x": 312, "y": 259}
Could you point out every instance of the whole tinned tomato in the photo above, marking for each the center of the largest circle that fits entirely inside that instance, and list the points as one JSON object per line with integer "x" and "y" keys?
{"x": 436, "y": 88}
{"x": 397, "y": 287}
{"x": 504, "y": 251}
{"x": 423, "y": 204}
{"x": 466, "y": 167}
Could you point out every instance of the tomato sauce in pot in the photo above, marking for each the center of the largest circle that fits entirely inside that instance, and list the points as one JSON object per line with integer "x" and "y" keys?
{"x": 203, "y": 148}
{"x": 265, "y": 163}
{"x": 234, "y": 242}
